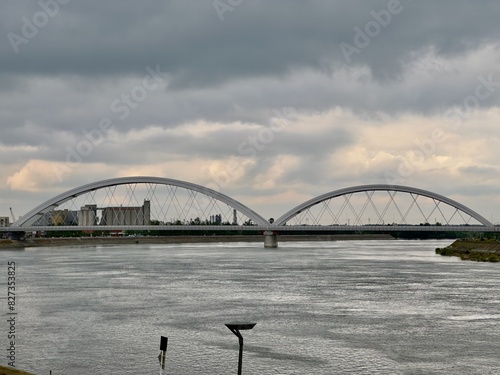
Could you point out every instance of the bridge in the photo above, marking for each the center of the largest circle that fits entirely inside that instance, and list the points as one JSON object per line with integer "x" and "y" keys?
{"x": 164, "y": 204}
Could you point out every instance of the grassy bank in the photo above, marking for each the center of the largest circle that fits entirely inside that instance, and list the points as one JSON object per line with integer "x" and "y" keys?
{"x": 477, "y": 250}
{"x": 12, "y": 371}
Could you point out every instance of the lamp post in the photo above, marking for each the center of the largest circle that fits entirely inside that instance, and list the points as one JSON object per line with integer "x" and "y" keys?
{"x": 235, "y": 328}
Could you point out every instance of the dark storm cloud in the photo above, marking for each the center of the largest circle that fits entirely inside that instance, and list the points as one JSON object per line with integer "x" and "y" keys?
{"x": 258, "y": 38}
{"x": 236, "y": 70}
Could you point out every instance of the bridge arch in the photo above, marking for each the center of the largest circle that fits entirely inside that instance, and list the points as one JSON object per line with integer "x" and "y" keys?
{"x": 379, "y": 187}
{"x": 35, "y": 214}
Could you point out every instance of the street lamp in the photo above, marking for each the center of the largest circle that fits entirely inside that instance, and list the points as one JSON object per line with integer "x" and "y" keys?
{"x": 236, "y": 328}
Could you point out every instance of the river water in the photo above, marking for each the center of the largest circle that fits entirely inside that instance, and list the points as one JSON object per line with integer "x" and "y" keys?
{"x": 345, "y": 307}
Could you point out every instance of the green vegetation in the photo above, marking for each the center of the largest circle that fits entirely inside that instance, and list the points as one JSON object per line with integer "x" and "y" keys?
{"x": 479, "y": 250}
{"x": 12, "y": 371}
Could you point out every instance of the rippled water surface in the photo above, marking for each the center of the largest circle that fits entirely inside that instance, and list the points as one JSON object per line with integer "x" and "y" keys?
{"x": 353, "y": 307}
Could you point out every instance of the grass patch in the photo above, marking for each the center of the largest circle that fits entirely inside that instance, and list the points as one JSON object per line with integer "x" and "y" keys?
{"x": 12, "y": 371}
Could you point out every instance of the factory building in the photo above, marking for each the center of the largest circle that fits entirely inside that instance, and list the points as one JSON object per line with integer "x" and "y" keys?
{"x": 87, "y": 216}
{"x": 4, "y": 221}
{"x": 127, "y": 215}
{"x": 63, "y": 217}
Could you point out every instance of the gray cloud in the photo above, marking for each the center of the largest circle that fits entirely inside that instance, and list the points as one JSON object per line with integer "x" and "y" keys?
{"x": 257, "y": 39}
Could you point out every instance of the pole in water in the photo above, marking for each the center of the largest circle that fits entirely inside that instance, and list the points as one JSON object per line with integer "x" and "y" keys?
{"x": 163, "y": 353}
{"x": 161, "y": 358}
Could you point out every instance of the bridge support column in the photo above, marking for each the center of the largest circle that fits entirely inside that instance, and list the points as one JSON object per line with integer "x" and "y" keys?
{"x": 270, "y": 239}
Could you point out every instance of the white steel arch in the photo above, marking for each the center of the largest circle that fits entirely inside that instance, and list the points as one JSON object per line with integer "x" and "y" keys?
{"x": 379, "y": 187}
{"x": 33, "y": 215}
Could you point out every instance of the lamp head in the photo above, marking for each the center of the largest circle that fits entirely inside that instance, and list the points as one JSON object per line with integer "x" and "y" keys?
{"x": 240, "y": 326}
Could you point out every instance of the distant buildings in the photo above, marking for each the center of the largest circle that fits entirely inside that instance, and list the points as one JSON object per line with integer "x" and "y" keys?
{"x": 58, "y": 218}
{"x": 91, "y": 215}
{"x": 127, "y": 215}
{"x": 216, "y": 219}
{"x": 63, "y": 217}
{"x": 4, "y": 221}
{"x": 87, "y": 216}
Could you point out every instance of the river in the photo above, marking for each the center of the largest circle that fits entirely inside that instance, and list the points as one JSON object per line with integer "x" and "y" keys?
{"x": 340, "y": 307}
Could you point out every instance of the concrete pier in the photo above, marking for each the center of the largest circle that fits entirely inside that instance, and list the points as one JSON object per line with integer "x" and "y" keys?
{"x": 270, "y": 239}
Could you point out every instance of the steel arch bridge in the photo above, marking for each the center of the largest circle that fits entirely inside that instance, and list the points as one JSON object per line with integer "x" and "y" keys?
{"x": 129, "y": 196}
{"x": 369, "y": 191}
{"x": 163, "y": 204}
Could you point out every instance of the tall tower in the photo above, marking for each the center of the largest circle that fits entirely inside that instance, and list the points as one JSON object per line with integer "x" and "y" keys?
{"x": 146, "y": 210}
{"x": 87, "y": 215}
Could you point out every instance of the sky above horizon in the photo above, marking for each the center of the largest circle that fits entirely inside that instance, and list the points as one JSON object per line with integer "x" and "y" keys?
{"x": 270, "y": 103}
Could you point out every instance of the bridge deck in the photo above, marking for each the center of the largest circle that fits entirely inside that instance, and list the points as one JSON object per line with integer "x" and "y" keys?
{"x": 274, "y": 228}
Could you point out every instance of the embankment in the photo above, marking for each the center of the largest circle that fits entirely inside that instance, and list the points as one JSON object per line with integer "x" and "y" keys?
{"x": 12, "y": 371}
{"x": 478, "y": 250}
{"x": 99, "y": 241}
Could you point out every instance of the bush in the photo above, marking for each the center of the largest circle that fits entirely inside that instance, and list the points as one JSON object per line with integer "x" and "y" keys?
{"x": 494, "y": 258}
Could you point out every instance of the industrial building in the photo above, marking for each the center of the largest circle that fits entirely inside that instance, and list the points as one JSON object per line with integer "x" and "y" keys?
{"x": 63, "y": 217}
{"x": 87, "y": 216}
{"x": 127, "y": 215}
{"x": 4, "y": 221}
{"x": 58, "y": 218}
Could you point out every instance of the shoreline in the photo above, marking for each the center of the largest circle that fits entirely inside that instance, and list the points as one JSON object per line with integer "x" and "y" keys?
{"x": 475, "y": 250}
{"x": 158, "y": 240}
{"x": 4, "y": 370}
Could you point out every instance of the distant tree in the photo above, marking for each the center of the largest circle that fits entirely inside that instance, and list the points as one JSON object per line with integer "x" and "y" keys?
{"x": 196, "y": 221}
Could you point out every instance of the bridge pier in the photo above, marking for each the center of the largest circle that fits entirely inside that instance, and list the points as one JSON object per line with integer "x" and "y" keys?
{"x": 270, "y": 239}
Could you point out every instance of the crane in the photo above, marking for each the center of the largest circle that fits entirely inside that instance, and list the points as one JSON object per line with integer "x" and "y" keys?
{"x": 12, "y": 215}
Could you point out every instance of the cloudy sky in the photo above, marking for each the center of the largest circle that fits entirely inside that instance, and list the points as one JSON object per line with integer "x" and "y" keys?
{"x": 269, "y": 102}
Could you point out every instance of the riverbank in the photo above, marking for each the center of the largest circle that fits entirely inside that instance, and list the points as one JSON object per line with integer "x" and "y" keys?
{"x": 12, "y": 371}
{"x": 477, "y": 250}
{"x": 99, "y": 241}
